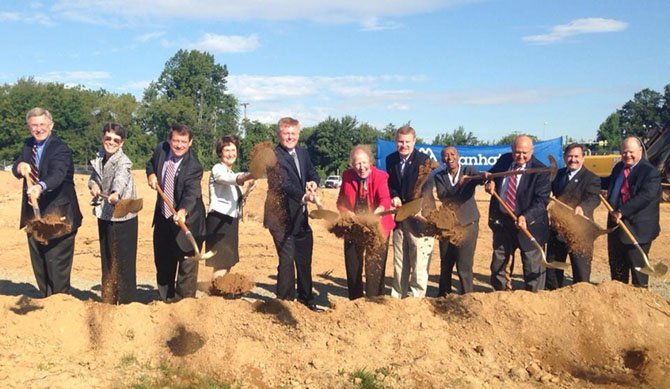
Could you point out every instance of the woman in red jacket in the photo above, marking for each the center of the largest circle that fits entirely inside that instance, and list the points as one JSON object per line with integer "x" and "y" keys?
{"x": 365, "y": 190}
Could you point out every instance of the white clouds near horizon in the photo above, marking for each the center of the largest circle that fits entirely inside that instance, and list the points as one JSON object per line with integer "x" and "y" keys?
{"x": 577, "y": 27}
{"x": 215, "y": 43}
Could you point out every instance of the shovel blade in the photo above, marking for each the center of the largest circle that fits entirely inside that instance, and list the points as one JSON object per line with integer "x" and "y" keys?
{"x": 658, "y": 270}
{"x": 408, "y": 209}
{"x": 324, "y": 214}
{"x": 126, "y": 206}
{"x": 202, "y": 256}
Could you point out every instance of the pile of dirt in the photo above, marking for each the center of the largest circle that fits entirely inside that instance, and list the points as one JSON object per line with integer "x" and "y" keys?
{"x": 583, "y": 335}
{"x": 443, "y": 224}
{"x": 231, "y": 285}
{"x": 578, "y": 232}
{"x": 362, "y": 228}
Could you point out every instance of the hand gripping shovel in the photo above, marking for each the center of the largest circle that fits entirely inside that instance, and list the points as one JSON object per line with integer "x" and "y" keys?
{"x": 198, "y": 255}
{"x": 550, "y": 265}
{"x": 122, "y": 207}
{"x": 659, "y": 269}
{"x": 42, "y": 229}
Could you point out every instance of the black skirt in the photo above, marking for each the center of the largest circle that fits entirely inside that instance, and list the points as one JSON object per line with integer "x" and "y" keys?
{"x": 222, "y": 237}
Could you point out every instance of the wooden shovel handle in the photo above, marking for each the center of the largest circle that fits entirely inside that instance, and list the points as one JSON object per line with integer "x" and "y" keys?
{"x": 181, "y": 224}
{"x": 511, "y": 213}
{"x": 620, "y": 222}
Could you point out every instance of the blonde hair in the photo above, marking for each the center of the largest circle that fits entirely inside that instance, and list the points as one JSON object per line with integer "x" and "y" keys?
{"x": 361, "y": 148}
{"x": 37, "y": 111}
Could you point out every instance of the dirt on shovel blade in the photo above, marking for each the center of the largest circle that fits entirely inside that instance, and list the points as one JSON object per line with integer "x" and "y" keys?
{"x": 48, "y": 227}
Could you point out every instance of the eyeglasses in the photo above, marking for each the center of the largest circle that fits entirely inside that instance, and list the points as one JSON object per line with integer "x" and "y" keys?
{"x": 118, "y": 141}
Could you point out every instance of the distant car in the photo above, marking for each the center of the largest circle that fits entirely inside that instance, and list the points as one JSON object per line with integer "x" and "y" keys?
{"x": 333, "y": 182}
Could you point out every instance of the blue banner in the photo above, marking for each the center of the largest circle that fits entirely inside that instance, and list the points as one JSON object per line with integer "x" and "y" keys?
{"x": 481, "y": 157}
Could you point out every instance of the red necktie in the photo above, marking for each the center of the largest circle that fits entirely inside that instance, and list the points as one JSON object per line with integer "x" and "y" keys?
{"x": 510, "y": 192}
{"x": 625, "y": 188}
{"x": 363, "y": 189}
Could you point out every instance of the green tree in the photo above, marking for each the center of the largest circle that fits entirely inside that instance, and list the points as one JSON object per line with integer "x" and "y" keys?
{"x": 458, "y": 137}
{"x": 610, "y": 131}
{"x": 641, "y": 113}
{"x": 191, "y": 90}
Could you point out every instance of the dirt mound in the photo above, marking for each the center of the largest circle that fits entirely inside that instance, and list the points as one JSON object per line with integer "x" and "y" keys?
{"x": 583, "y": 335}
{"x": 48, "y": 227}
{"x": 231, "y": 285}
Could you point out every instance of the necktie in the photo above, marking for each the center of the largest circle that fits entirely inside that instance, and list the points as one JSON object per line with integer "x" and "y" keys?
{"x": 510, "y": 192}
{"x": 403, "y": 162}
{"x": 34, "y": 170}
{"x": 295, "y": 160}
{"x": 564, "y": 182}
{"x": 168, "y": 187}
{"x": 363, "y": 188}
{"x": 625, "y": 188}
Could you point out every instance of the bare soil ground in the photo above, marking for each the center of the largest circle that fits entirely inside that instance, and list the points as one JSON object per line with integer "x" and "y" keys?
{"x": 605, "y": 335}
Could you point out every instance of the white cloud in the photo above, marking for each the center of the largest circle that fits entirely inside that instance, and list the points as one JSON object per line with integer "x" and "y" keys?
{"x": 577, "y": 27}
{"x": 398, "y": 107}
{"x": 374, "y": 24}
{"x": 215, "y": 43}
{"x": 10, "y": 16}
{"x": 90, "y": 79}
{"x": 341, "y": 11}
{"x": 149, "y": 36}
{"x": 135, "y": 86}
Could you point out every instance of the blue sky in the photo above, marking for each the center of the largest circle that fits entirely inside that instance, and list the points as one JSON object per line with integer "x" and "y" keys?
{"x": 545, "y": 67}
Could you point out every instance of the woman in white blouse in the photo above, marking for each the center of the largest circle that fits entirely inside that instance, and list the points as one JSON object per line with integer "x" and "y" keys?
{"x": 225, "y": 207}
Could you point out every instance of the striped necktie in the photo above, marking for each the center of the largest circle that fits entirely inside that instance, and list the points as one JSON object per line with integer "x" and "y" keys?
{"x": 34, "y": 169}
{"x": 510, "y": 192}
{"x": 168, "y": 187}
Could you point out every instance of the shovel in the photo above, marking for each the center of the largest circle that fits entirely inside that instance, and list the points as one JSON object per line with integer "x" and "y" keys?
{"x": 321, "y": 213}
{"x": 198, "y": 255}
{"x": 659, "y": 269}
{"x": 122, "y": 207}
{"x": 550, "y": 265}
{"x": 594, "y": 229}
{"x": 551, "y": 169}
{"x": 404, "y": 211}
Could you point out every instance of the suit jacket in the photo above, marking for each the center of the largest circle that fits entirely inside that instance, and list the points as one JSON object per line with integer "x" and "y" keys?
{"x": 378, "y": 195}
{"x": 187, "y": 192}
{"x": 581, "y": 190}
{"x": 116, "y": 176}
{"x": 532, "y": 196}
{"x": 284, "y": 211}
{"x": 641, "y": 212}
{"x": 56, "y": 170}
{"x": 402, "y": 185}
{"x": 459, "y": 197}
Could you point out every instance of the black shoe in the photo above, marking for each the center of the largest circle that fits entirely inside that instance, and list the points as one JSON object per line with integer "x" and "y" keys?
{"x": 315, "y": 308}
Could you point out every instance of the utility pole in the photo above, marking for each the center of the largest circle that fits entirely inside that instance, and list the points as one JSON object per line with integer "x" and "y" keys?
{"x": 245, "y": 118}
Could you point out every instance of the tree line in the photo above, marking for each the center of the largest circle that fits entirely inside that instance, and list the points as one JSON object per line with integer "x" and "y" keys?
{"x": 192, "y": 89}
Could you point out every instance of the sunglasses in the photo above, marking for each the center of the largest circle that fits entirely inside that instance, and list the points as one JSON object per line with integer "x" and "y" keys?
{"x": 118, "y": 141}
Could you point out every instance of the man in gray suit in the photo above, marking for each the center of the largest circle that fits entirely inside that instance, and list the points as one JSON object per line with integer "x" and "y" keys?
{"x": 461, "y": 199}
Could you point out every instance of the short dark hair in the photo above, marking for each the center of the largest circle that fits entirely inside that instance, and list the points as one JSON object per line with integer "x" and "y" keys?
{"x": 571, "y": 146}
{"x": 115, "y": 128}
{"x": 181, "y": 129}
{"x": 225, "y": 141}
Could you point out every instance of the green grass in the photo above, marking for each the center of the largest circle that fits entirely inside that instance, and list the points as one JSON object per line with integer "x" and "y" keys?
{"x": 177, "y": 378}
{"x": 368, "y": 379}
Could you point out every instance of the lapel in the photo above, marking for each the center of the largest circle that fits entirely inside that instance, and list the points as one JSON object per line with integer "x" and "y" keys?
{"x": 288, "y": 161}
{"x": 615, "y": 174}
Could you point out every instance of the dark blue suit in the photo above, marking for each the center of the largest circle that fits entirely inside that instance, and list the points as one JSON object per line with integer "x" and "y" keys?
{"x": 640, "y": 214}
{"x": 286, "y": 217}
{"x": 532, "y": 195}
{"x": 52, "y": 263}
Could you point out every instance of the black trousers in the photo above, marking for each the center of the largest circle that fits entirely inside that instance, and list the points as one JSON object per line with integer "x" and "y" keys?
{"x": 52, "y": 263}
{"x": 463, "y": 257}
{"x": 118, "y": 257}
{"x": 295, "y": 256}
{"x": 624, "y": 258}
{"x": 557, "y": 251}
{"x": 170, "y": 262}
{"x": 357, "y": 257}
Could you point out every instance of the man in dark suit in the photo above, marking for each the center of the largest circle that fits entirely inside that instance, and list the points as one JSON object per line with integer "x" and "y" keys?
{"x": 411, "y": 250}
{"x": 527, "y": 195}
{"x": 634, "y": 191}
{"x": 180, "y": 174}
{"x": 459, "y": 197}
{"x": 577, "y": 187}
{"x": 45, "y": 164}
{"x": 291, "y": 184}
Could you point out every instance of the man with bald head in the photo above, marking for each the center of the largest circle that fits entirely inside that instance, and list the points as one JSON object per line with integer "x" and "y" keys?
{"x": 634, "y": 191}
{"x": 527, "y": 195}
